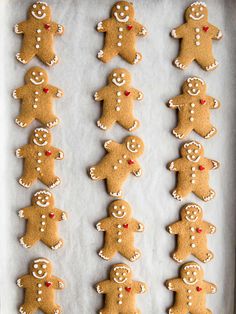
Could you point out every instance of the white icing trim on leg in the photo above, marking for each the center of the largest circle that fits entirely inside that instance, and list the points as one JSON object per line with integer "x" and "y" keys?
{"x": 178, "y": 135}
{"x": 103, "y": 256}
{"x": 137, "y": 58}
{"x": 100, "y": 26}
{"x": 57, "y": 182}
{"x": 101, "y": 126}
{"x": 135, "y": 256}
{"x": 57, "y": 246}
{"x": 14, "y": 94}
{"x": 177, "y": 259}
{"x": 209, "y": 134}
{"x": 116, "y": 194}
{"x": 25, "y": 185}
{"x": 176, "y": 196}
{"x": 53, "y": 61}
{"x": 134, "y": 126}
{"x": 20, "y": 59}
{"x": 209, "y": 257}
{"x": 179, "y": 65}
{"x": 91, "y": 172}
{"x": 21, "y": 310}
{"x": 20, "y": 123}
{"x": 209, "y": 197}
{"x": 19, "y": 284}
{"x": 100, "y": 54}
{"x": 24, "y": 244}
{"x": 212, "y": 66}
{"x": 52, "y": 124}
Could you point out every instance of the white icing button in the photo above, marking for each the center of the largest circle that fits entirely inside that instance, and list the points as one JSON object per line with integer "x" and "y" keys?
{"x": 39, "y": 154}
{"x": 189, "y": 303}
{"x": 192, "y": 237}
{"x": 192, "y": 105}
{"x": 39, "y": 299}
{"x": 115, "y": 167}
{"x": 37, "y": 46}
{"x": 36, "y": 93}
{"x": 191, "y": 119}
{"x": 38, "y": 38}
{"x": 120, "y": 295}
{"x": 189, "y": 297}
{"x": 120, "y": 289}
{"x": 119, "y": 302}
{"x": 121, "y": 29}
{"x": 38, "y": 168}
{"x": 39, "y": 291}
{"x": 120, "y": 36}
{"x": 118, "y": 100}
{"x": 39, "y": 285}
{"x": 189, "y": 291}
{"x": 119, "y": 233}
{"x": 35, "y": 106}
{"x": 38, "y": 30}
{"x": 43, "y": 223}
{"x": 193, "y": 245}
{"x": 36, "y": 99}
{"x": 193, "y": 175}
{"x": 124, "y": 156}
{"x": 42, "y": 230}
{"x": 197, "y": 43}
{"x": 43, "y": 216}
{"x": 118, "y": 93}
{"x": 119, "y": 240}
{"x": 192, "y": 229}
{"x": 119, "y": 44}
{"x": 197, "y": 36}
{"x": 117, "y": 108}
{"x": 120, "y": 161}
{"x": 119, "y": 226}
{"x": 193, "y": 181}
{"x": 193, "y": 168}
{"x": 192, "y": 111}
{"x": 197, "y": 30}
{"x": 39, "y": 161}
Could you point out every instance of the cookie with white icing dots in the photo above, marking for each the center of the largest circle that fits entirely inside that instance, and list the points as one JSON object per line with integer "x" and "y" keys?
{"x": 39, "y": 287}
{"x": 196, "y": 37}
{"x": 38, "y": 35}
{"x": 121, "y": 30}
{"x": 190, "y": 290}
{"x": 39, "y": 156}
{"x": 193, "y": 172}
{"x": 36, "y": 98}
{"x": 42, "y": 220}
{"x": 191, "y": 232}
{"x": 120, "y": 291}
{"x": 194, "y": 109}
{"x": 118, "y": 163}
{"x": 119, "y": 230}
{"x": 118, "y": 97}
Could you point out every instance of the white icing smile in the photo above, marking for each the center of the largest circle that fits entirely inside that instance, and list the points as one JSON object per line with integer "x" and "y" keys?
{"x": 129, "y": 147}
{"x": 38, "y": 17}
{"x": 120, "y": 281}
{"x": 119, "y": 216}
{"x": 39, "y": 144}
{"x": 41, "y": 204}
{"x": 193, "y": 93}
{"x": 196, "y": 18}
{"x": 39, "y": 277}
{"x": 188, "y": 282}
{"x": 193, "y": 158}
{"x": 37, "y": 83}
{"x": 191, "y": 219}
{"x": 120, "y": 19}
{"x": 115, "y": 81}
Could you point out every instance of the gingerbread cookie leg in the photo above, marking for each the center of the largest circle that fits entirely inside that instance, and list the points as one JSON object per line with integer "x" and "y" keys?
{"x": 207, "y": 61}
{"x": 50, "y": 179}
{"x": 204, "y": 255}
{"x": 183, "y": 129}
{"x": 50, "y": 120}
{"x": 28, "y": 308}
{"x": 129, "y": 122}
{"x": 47, "y": 56}
{"x": 26, "y": 54}
{"x": 181, "y": 191}
{"x": 24, "y": 120}
{"x": 114, "y": 186}
{"x": 107, "y": 53}
{"x": 108, "y": 251}
{"x": 129, "y": 252}
{"x": 29, "y": 176}
{"x": 131, "y": 55}
{"x": 106, "y": 121}
{"x": 181, "y": 253}
{"x": 52, "y": 241}
{"x": 206, "y": 130}
{"x": 204, "y": 192}
{"x": 183, "y": 60}
{"x": 177, "y": 309}
{"x": 50, "y": 308}
{"x": 30, "y": 237}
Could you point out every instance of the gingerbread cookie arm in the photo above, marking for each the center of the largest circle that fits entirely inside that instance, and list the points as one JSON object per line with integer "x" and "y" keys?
{"x": 211, "y": 164}
{"x": 103, "y": 224}
{"x": 136, "y": 169}
{"x": 210, "y": 288}
{"x": 111, "y": 146}
{"x": 23, "y": 151}
{"x": 101, "y": 94}
{"x": 139, "y": 29}
{"x": 103, "y": 26}
{"x": 55, "y": 91}
{"x": 175, "y": 165}
{"x": 136, "y": 226}
{"x": 173, "y": 284}
{"x": 57, "y": 153}
{"x": 57, "y": 283}
{"x": 25, "y": 212}
{"x": 137, "y": 95}
{"x": 103, "y": 287}
{"x": 24, "y": 281}
{"x": 139, "y": 287}
{"x": 175, "y": 228}
{"x": 60, "y": 214}
{"x": 214, "y": 32}
{"x": 179, "y": 32}
{"x": 176, "y": 102}
{"x": 20, "y": 92}
{"x": 209, "y": 227}
{"x": 213, "y": 103}
{"x": 19, "y": 28}
{"x": 56, "y": 29}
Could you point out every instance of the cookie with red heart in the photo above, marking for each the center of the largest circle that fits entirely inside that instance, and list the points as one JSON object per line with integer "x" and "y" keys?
{"x": 119, "y": 228}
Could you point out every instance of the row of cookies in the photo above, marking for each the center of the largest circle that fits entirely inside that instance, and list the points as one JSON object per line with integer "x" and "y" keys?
{"x": 36, "y": 98}
{"x": 120, "y": 160}
{"x": 192, "y": 167}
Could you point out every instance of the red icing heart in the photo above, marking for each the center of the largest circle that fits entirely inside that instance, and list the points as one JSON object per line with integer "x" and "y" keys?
{"x": 47, "y": 27}
{"x": 46, "y": 90}
{"x": 126, "y": 226}
{"x": 52, "y": 215}
{"x": 131, "y": 162}
{"x": 205, "y": 28}
{"x": 199, "y": 289}
{"x": 202, "y": 101}
{"x": 199, "y": 230}
{"x": 127, "y": 93}
{"x": 48, "y": 153}
{"x": 48, "y": 284}
{"x": 128, "y": 289}
{"x": 201, "y": 168}
{"x": 129, "y": 27}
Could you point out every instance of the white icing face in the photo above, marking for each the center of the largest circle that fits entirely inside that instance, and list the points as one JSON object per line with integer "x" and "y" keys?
{"x": 36, "y": 76}
{"x": 41, "y": 137}
{"x": 42, "y": 198}
{"x": 123, "y": 11}
{"x": 134, "y": 145}
{"x": 40, "y": 268}
{"x": 118, "y": 80}
{"x": 119, "y": 209}
{"x": 194, "y": 86}
{"x": 191, "y": 213}
{"x": 120, "y": 77}
{"x": 192, "y": 151}
{"x": 197, "y": 11}
{"x": 191, "y": 273}
{"x": 40, "y": 11}
{"x": 120, "y": 273}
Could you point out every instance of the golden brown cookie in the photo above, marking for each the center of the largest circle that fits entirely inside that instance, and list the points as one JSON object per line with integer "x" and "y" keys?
{"x": 194, "y": 109}
{"x": 119, "y": 230}
{"x": 120, "y": 291}
{"x": 40, "y": 286}
{"x": 42, "y": 219}
{"x": 121, "y": 30}
{"x": 39, "y": 158}
{"x": 38, "y": 31}
{"x": 191, "y": 232}
{"x": 193, "y": 172}
{"x": 196, "y": 38}
{"x": 117, "y": 98}
{"x": 118, "y": 163}
{"x": 36, "y": 99}
{"x": 190, "y": 290}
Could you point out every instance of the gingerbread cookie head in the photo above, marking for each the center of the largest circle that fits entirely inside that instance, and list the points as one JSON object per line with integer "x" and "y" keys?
{"x": 36, "y": 76}
{"x": 194, "y": 86}
{"x": 120, "y": 273}
{"x": 134, "y": 145}
{"x": 191, "y": 273}
{"x": 191, "y": 213}
{"x": 119, "y": 77}
{"x": 40, "y": 137}
{"x": 196, "y": 12}
{"x": 123, "y": 11}
{"x": 41, "y": 268}
{"x": 40, "y": 11}
{"x": 120, "y": 209}
{"x": 43, "y": 198}
{"x": 192, "y": 151}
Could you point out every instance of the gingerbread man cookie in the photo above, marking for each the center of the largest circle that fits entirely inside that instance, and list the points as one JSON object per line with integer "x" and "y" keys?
{"x": 121, "y": 30}
{"x": 120, "y": 291}
{"x": 39, "y": 158}
{"x": 119, "y": 230}
{"x": 36, "y": 99}
{"x": 196, "y": 38}
{"x": 194, "y": 109}
{"x": 40, "y": 286}
{"x": 191, "y": 232}
{"x": 190, "y": 290}
{"x": 118, "y": 163}
{"x": 42, "y": 219}
{"x": 193, "y": 172}
{"x": 118, "y": 97}
{"x": 38, "y": 31}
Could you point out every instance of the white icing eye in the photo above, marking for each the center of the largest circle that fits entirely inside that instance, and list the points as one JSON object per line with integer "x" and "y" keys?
{"x": 115, "y": 207}
{"x": 44, "y": 135}
{"x": 123, "y": 75}
{"x": 190, "y": 85}
{"x": 114, "y": 75}
{"x": 122, "y": 207}
{"x": 46, "y": 197}
{"x": 139, "y": 146}
{"x": 43, "y": 7}
{"x": 124, "y": 274}
{"x": 189, "y": 151}
{"x": 196, "y": 151}
{"x": 126, "y": 8}
{"x": 44, "y": 266}
{"x": 36, "y": 135}
{"x": 133, "y": 140}
{"x": 188, "y": 273}
{"x": 34, "y": 6}
{"x": 36, "y": 266}
{"x": 118, "y": 6}
{"x": 201, "y": 8}
{"x": 33, "y": 73}
{"x": 39, "y": 197}
{"x": 193, "y": 9}
{"x": 41, "y": 73}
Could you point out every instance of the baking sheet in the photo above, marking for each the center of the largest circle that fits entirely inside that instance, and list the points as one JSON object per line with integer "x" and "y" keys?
{"x": 80, "y": 74}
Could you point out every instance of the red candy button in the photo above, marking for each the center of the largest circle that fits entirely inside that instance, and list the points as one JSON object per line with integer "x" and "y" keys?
{"x": 126, "y": 226}
{"x": 127, "y": 93}
{"x": 48, "y": 284}
{"x": 205, "y": 28}
{"x": 199, "y": 289}
{"x": 131, "y": 162}
{"x": 47, "y": 27}
{"x": 52, "y": 215}
{"x": 128, "y": 289}
{"x": 201, "y": 168}
{"x": 202, "y": 101}
{"x": 48, "y": 153}
{"x": 46, "y": 90}
{"x": 129, "y": 27}
{"x": 199, "y": 230}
